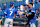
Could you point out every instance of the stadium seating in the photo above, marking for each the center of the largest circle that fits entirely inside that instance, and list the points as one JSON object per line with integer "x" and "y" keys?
{"x": 18, "y": 4}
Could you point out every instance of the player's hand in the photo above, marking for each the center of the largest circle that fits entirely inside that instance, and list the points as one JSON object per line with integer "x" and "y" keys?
{"x": 27, "y": 15}
{"x": 21, "y": 12}
{"x": 2, "y": 17}
{"x": 18, "y": 11}
{"x": 37, "y": 19}
{"x": 1, "y": 21}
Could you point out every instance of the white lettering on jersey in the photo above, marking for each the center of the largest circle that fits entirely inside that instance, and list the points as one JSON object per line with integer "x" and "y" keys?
{"x": 11, "y": 10}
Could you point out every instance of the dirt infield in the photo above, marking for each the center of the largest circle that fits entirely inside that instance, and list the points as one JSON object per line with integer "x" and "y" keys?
{"x": 15, "y": 26}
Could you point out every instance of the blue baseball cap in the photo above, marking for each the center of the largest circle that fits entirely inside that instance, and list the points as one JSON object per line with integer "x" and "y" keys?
{"x": 11, "y": 3}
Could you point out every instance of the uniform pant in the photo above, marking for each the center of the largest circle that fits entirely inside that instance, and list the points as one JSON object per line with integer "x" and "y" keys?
{"x": 8, "y": 22}
{"x": 38, "y": 24}
{"x": 32, "y": 25}
{"x": 0, "y": 25}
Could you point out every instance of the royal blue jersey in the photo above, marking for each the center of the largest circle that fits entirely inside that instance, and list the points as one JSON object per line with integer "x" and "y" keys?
{"x": 10, "y": 12}
{"x": 33, "y": 10}
{"x": 33, "y": 20}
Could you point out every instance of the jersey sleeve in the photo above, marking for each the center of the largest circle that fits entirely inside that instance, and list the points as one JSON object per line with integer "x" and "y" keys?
{"x": 6, "y": 10}
{"x": 35, "y": 17}
{"x": 15, "y": 11}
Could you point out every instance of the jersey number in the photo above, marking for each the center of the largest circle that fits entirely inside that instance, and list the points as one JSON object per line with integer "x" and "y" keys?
{"x": 11, "y": 13}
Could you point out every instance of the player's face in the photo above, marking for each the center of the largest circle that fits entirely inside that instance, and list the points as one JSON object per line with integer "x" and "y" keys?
{"x": 30, "y": 5}
{"x": 13, "y": 5}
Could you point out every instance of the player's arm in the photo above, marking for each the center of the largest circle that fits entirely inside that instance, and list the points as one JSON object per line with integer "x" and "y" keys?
{"x": 5, "y": 13}
{"x": 18, "y": 12}
{"x": 2, "y": 19}
{"x": 21, "y": 12}
{"x": 37, "y": 19}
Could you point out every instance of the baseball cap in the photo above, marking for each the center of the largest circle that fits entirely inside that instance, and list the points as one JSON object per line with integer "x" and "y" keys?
{"x": 11, "y": 3}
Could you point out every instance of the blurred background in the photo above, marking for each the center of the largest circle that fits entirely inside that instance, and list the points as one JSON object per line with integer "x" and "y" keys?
{"x": 18, "y": 4}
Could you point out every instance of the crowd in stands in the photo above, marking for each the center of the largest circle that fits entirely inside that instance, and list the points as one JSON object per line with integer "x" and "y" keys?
{"x": 36, "y": 5}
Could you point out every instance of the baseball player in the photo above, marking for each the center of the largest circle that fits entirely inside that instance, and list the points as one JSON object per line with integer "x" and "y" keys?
{"x": 9, "y": 12}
